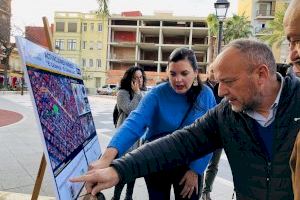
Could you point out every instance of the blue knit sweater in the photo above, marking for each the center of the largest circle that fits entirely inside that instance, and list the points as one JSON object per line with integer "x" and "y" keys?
{"x": 161, "y": 111}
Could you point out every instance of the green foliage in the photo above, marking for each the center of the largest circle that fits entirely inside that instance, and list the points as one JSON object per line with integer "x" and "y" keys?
{"x": 103, "y": 8}
{"x": 274, "y": 33}
{"x": 234, "y": 27}
{"x": 213, "y": 25}
{"x": 238, "y": 26}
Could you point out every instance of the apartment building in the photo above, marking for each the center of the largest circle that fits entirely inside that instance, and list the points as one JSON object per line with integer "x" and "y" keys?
{"x": 134, "y": 39}
{"x": 261, "y": 12}
{"x": 82, "y": 39}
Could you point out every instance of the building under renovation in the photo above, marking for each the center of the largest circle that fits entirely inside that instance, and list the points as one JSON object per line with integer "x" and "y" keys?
{"x": 134, "y": 39}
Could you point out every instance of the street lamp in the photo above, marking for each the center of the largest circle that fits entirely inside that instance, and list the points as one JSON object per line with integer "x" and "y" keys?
{"x": 221, "y": 7}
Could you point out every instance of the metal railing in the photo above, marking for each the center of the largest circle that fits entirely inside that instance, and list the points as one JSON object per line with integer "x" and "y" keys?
{"x": 265, "y": 13}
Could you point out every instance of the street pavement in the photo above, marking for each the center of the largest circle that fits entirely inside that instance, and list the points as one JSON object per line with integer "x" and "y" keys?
{"x": 21, "y": 151}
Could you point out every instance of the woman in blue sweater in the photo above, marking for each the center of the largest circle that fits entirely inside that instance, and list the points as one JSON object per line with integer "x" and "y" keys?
{"x": 167, "y": 107}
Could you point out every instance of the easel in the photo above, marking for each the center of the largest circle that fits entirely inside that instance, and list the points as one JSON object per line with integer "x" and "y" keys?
{"x": 43, "y": 163}
{"x": 42, "y": 168}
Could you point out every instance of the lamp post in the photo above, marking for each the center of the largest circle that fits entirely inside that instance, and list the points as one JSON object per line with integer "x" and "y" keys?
{"x": 221, "y": 7}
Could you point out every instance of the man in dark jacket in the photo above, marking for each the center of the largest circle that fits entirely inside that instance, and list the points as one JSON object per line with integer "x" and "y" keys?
{"x": 292, "y": 30}
{"x": 256, "y": 124}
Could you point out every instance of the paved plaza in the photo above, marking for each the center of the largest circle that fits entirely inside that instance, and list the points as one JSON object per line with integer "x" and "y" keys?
{"x": 21, "y": 150}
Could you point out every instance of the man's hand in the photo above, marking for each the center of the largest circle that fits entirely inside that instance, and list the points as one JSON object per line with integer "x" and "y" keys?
{"x": 190, "y": 180}
{"x": 98, "y": 179}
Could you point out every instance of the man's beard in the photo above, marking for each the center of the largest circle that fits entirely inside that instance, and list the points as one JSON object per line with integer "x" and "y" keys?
{"x": 252, "y": 105}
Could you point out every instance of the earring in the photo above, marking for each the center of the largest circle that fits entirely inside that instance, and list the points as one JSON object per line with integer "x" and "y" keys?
{"x": 195, "y": 82}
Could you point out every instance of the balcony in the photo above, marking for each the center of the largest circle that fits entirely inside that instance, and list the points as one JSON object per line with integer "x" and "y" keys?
{"x": 265, "y": 14}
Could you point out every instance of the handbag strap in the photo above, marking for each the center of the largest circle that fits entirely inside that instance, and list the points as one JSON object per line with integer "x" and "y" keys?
{"x": 185, "y": 116}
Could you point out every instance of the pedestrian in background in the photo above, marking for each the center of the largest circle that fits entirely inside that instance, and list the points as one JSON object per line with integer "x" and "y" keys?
{"x": 131, "y": 91}
{"x": 212, "y": 168}
{"x": 164, "y": 109}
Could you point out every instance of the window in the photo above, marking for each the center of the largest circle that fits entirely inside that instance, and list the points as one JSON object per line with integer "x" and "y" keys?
{"x": 91, "y": 64}
{"x": 84, "y": 27}
{"x": 92, "y": 26}
{"x": 264, "y": 9}
{"x": 83, "y": 44}
{"x": 72, "y": 27}
{"x": 71, "y": 45}
{"x": 99, "y": 27}
{"x": 83, "y": 62}
{"x": 59, "y": 44}
{"x": 60, "y": 26}
{"x": 99, "y": 45}
{"x": 98, "y": 63}
{"x": 91, "y": 45}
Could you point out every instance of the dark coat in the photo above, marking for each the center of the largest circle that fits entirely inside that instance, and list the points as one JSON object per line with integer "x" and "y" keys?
{"x": 254, "y": 175}
{"x": 295, "y": 167}
{"x": 215, "y": 90}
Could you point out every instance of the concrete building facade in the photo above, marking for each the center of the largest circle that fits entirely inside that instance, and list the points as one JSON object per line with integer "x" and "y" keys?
{"x": 134, "y": 39}
{"x": 5, "y": 15}
{"x": 82, "y": 39}
{"x": 261, "y": 12}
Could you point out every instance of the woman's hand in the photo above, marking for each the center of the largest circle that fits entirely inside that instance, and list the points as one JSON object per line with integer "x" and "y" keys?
{"x": 135, "y": 86}
{"x": 98, "y": 179}
{"x": 105, "y": 160}
{"x": 190, "y": 181}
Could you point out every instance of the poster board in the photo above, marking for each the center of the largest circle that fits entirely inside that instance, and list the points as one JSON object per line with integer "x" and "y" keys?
{"x": 63, "y": 114}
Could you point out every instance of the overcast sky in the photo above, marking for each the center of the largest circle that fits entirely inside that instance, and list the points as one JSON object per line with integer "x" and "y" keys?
{"x": 30, "y": 12}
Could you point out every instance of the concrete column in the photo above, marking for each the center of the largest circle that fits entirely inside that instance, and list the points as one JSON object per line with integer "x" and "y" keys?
{"x": 159, "y": 47}
{"x": 108, "y": 56}
{"x": 137, "y": 41}
{"x": 191, "y": 36}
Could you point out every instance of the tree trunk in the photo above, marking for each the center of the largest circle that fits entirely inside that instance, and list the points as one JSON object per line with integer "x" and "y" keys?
{"x": 211, "y": 49}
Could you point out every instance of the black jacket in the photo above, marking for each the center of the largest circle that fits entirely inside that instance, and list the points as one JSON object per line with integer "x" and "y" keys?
{"x": 255, "y": 176}
{"x": 215, "y": 90}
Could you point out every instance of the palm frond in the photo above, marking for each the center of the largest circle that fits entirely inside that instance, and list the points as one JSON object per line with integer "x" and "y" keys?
{"x": 103, "y": 8}
{"x": 274, "y": 34}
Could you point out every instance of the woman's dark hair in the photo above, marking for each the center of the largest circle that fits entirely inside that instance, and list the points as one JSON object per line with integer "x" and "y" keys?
{"x": 179, "y": 54}
{"x": 126, "y": 80}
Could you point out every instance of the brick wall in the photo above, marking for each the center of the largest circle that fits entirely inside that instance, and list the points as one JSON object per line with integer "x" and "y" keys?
{"x": 114, "y": 77}
{"x": 124, "y": 36}
{"x": 37, "y": 35}
{"x": 124, "y": 53}
{"x": 132, "y": 13}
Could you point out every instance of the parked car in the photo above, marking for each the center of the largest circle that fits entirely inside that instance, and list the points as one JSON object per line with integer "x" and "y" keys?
{"x": 109, "y": 89}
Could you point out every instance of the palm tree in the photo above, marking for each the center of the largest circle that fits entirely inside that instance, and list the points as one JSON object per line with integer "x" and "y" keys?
{"x": 213, "y": 25}
{"x": 234, "y": 28}
{"x": 238, "y": 26}
{"x": 103, "y": 7}
{"x": 274, "y": 34}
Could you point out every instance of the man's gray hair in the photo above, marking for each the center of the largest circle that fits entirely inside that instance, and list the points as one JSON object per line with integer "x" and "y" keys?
{"x": 255, "y": 52}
